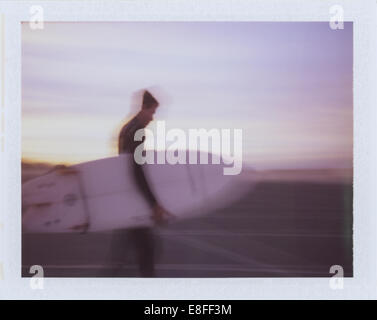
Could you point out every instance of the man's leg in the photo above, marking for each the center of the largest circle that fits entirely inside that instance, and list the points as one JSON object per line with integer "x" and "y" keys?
{"x": 118, "y": 250}
{"x": 143, "y": 242}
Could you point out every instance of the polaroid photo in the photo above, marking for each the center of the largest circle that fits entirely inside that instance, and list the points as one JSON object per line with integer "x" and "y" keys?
{"x": 188, "y": 150}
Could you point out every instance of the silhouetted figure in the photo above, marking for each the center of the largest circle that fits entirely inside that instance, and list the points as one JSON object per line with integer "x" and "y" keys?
{"x": 141, "y": 238}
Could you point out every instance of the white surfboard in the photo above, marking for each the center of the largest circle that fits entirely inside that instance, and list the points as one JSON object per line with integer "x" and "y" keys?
{"x": 104, "y": 194}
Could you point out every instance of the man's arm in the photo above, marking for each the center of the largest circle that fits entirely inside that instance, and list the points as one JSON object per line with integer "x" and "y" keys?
{"x": 159, "y": 213}
{"x": 127, "y": 144}
{"x": 143, "y": 184}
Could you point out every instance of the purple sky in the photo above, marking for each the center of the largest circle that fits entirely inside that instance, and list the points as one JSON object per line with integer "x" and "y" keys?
{"x": 287, "y": 85}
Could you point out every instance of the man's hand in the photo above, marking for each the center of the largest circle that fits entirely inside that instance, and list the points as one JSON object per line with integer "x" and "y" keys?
{"x": 160, "y": 214}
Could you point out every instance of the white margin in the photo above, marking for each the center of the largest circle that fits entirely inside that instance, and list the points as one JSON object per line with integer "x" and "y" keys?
{"x": 362, "y": 285}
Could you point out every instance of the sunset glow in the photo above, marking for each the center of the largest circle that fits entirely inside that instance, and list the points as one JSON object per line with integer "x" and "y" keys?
{"x": 288, "y": 86}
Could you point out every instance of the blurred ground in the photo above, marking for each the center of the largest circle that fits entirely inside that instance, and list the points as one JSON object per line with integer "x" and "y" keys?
{"x": 288, "y": 227}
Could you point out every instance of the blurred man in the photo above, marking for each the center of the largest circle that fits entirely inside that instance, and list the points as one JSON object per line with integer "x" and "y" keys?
{"x": 141, "y": 238}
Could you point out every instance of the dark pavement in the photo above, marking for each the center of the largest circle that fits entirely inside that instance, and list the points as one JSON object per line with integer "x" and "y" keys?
{"x": 283, "y": 229}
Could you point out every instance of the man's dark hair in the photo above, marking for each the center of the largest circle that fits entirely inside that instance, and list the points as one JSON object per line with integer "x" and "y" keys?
{"x": 148, "y": 100}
